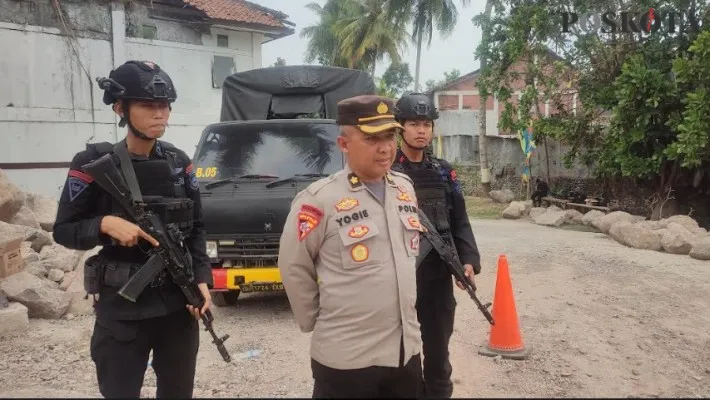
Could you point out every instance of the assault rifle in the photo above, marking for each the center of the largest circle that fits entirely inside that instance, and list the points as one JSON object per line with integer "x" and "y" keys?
{"x": 166, "y": 256}
{"x": 449, "y": 255}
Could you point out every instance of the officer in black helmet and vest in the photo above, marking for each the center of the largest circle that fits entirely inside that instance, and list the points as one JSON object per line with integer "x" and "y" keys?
{"x": 440, "y": 198}
{"x": 125, "y": 332}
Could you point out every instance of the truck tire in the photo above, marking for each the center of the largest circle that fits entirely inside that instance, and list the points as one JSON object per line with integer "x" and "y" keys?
{"x": 224, "y": 299}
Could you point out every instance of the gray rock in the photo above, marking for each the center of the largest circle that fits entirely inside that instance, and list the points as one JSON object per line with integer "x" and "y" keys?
{"x": 38, "y": 295}
{"x": 55, "y": 275}
{"x": 11, "y": 198}
{"x": 687, "y": 222}
{"x": 676, "y": 242}
{"x": 14, "y": 319}
{"x": 551, "y": 218}
{"x": 59, "y": 257}
{"x": 67, "y": 280}
{"x": 651, "y": 225}
{"x": 573, "y": 217}
{"x": 37, "y": 237}
{"x": 701, "y": 249}
{"x": 591, "y": 216}
{"x": 517, "y": 209}
{"x": 44, "y": 208}
{"x": 28, "y": 253}
{"x": 604, "y": 223}
{"x": 629, "y": 234}
{"x": 536, "y": 211}
{"x": 502, "y": 196}
{"x": 37, "y": 269}
{"x": 25, "y": 217}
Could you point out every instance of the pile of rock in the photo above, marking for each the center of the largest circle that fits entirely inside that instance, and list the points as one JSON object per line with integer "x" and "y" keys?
{"x": 679, "y": 234}
{"x": 49, "y": 286}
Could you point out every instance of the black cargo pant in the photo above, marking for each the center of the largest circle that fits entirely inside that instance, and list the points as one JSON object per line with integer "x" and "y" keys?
{"x": 370, "y": 382}
{"x": 436, "y": 308}
{"x": 120, "y": 350}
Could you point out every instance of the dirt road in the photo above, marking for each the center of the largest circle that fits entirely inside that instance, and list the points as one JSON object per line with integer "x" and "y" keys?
{"x": 601, "y": 319}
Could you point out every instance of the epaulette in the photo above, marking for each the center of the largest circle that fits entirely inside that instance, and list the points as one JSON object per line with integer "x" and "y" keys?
{"x": 401, "y": 175}
{"x": 316, "y": 186}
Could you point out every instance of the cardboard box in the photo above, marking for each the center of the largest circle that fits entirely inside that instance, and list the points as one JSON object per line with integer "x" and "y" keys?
{"x": 11, "y": 261}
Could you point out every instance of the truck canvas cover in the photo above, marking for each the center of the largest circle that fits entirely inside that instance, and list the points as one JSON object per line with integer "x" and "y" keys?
{"x": 311, "y": 91}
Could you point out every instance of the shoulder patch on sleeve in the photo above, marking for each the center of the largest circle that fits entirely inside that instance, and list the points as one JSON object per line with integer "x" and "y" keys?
{"x": 316, "y": 186}
{"x": 76, "y": 186}
{"x": 309, "y": 217}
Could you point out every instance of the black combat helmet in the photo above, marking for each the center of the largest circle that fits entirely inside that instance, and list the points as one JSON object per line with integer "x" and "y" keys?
{"x": 137, "y": 80}
{"x": 415, "y": 106}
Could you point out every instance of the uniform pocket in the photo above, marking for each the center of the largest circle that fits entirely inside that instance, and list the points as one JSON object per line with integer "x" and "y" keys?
{"x": 360, "y": 244}
{"x": 412, "y": 228}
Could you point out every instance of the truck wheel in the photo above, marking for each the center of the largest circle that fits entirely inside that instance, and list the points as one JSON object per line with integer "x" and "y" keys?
{"x": 223, "y": 299}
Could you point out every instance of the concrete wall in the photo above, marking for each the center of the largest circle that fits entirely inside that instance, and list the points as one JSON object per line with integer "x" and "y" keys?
{"x": 50, "y": 104}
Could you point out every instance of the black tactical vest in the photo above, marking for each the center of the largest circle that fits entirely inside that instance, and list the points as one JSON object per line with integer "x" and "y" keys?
{"x": 432, "y": 190}
{"x": 162, "y": 185}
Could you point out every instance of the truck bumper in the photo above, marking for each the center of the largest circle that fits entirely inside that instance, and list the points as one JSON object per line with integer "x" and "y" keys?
{"x": 247, "y": 279}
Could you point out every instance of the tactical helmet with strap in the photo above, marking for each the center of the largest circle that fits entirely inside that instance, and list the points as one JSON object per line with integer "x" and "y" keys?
{"x": 137, "y": 80}
{"x": 415, "y": 106}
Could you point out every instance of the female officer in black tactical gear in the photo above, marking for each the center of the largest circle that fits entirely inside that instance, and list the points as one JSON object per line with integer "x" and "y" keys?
{"x": 440, "y": 198}
{"x": 125, "y": 332}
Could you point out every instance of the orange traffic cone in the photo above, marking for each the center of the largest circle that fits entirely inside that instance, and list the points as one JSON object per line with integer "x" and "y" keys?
{"x": 505, "y": 338}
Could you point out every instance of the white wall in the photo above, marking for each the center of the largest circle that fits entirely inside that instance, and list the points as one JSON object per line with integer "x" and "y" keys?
{"x": 45, "y": 94}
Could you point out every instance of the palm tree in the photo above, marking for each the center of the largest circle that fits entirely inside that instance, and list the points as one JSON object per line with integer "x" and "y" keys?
{"x": 323, "y": 43}
{"x": 369, "y": 30}
{"x": 425, "y": 15}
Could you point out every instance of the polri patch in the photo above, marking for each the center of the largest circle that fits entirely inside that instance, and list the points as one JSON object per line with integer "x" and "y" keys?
{"x": 76, "y": 187}
{"x": 308, "y": 218}
{"x": 360, "y": 253}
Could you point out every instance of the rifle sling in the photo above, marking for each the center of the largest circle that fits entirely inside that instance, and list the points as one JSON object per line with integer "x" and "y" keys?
{"x": 128, "y": 172}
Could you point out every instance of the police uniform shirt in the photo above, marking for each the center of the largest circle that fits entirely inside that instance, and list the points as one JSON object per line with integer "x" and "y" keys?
{"x": 347, "y": 262}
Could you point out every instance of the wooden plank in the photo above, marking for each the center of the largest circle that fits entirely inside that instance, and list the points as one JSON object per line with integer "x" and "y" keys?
{"x": 600, "y": 208}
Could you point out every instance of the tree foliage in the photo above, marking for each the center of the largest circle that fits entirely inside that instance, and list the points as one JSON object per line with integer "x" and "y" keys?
{"x": 396, "y": 80}
{"x": 448, "y": 77}
{"x": 645, "y": 106}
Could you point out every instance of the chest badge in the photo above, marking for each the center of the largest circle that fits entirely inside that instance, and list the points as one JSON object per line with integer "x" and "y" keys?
{"x": 360, "y": 253}
{"x": 414, "y": 244}
{"x": 404, "y": 196}
{"x": 358, "y": 231}
{"x": 414, "y": 222}
{"x": 346, "y": 204}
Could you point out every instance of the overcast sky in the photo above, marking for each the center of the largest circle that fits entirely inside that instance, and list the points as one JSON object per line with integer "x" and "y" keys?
{"x": 443, "y": 55}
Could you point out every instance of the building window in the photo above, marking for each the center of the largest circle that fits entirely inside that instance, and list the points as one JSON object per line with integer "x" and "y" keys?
{"x": 222, "y": 41}
{"x": 149, "y": 32}
{"x": 222, "y": 67}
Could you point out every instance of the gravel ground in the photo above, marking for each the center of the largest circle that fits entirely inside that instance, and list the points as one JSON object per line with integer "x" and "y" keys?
{"x": 601, "y": 320}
